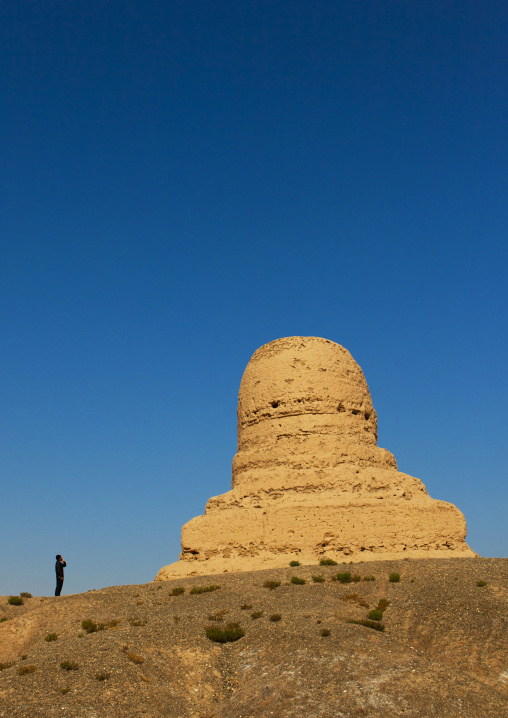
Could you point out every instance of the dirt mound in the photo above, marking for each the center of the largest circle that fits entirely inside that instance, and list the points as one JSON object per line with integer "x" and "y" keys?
{"x": 143, "y": 650}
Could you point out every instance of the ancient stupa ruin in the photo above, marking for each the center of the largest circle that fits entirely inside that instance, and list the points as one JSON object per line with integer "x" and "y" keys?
{"x": 309, "y": 480}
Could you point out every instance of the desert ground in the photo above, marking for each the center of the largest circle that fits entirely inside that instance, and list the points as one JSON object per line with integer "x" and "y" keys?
{"x": 143, "y": 650}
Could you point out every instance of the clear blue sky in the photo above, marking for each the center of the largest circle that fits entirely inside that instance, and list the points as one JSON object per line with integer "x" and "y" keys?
{"x": 184, "y": 181}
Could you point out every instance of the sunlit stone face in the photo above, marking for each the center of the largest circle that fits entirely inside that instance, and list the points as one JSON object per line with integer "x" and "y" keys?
{"x": 309, "y": 480}
{"x": 302, "y": 377}
{"x": 303, "y": 401}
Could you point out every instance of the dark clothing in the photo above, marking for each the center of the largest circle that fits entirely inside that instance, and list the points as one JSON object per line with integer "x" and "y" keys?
{"x": 59, "y": 568}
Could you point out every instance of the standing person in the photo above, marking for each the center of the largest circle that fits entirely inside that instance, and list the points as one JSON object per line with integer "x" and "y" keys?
{"x": 59, "y": 568}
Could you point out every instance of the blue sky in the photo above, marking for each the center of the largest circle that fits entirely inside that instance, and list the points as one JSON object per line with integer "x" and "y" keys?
{"x": 182, "y": 182}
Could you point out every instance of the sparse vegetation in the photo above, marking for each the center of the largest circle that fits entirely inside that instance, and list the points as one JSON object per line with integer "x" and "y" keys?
{"x": 369, "y": 624}
{"x": 298, "y": 581}
{"x": 271, "y": 584}
{"x": 25, "y": 594}
{"x": 355, "y": 598}
{"x": 412, "y": 622}
{"x": 90, "y": 626}
{"x": 369, "y": 578}
{"x": 295, "y": 563}
{"x": 3, "y": 618}
{"x": 23, "y": 670}
{"x": 481, "y": 583}
{"x": 135, "y": 658}
{"x": 69, "y": 665}
{"x": 51, "y": 637}
{"x": 3, "y": 666}
{"x": 203, "y": 589}
{"x": 231, "y": 632}
{"x": 343, "y": 577}
{"x": 137, "y": 621}
{"x": 275, "y": 617}
{"x": 177, "y": 591}
{"x": 394, "y": 577}
{"x": 356, "y": 579}
{"x": 15, "y": 601}
{"x": 327, "y": 562}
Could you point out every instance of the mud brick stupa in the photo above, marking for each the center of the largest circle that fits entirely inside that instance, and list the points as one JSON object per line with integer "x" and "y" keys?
{"x": 309, "y": 480}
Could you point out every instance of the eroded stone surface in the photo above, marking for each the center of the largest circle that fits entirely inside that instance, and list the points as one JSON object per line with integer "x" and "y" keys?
{"x": 309, "y": 480}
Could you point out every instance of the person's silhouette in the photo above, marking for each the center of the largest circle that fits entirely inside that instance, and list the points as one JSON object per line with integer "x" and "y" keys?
{"x": 59, "y": 568}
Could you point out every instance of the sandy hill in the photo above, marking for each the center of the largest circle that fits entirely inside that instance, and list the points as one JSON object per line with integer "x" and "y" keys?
{"x": 443, "y": 652}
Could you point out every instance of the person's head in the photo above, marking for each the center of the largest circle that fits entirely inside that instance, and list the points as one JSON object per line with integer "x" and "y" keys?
{"x": 58, "y": 557}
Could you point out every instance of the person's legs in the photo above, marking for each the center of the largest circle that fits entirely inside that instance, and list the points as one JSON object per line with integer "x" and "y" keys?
{"x": 59, "y": 584}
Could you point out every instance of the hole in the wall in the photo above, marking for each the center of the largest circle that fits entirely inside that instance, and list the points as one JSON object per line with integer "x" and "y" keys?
{"x": 275, "y": 404}
{"x": 367, "y": 415}
{"x": 341, "y": 407}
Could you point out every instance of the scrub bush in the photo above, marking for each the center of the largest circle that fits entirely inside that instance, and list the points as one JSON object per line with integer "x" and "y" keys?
{"x": 271, "y": 584}
{"x": 203, "y": 589}
{"x": 344, "y": 577}
{"x": 231, "y": 632}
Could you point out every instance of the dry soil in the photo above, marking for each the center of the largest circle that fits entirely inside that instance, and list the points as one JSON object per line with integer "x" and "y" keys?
{"x": 443, "y": 652}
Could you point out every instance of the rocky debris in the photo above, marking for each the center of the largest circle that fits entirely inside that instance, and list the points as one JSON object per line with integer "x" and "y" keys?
{"x": 442, "y": 653}
{"x": 309, "y": 479}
